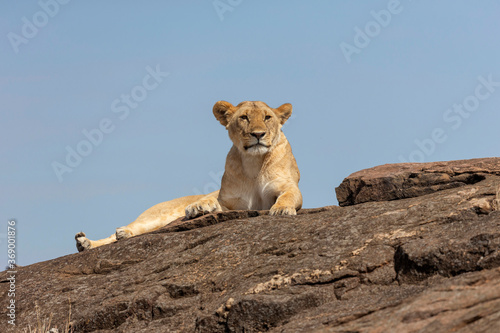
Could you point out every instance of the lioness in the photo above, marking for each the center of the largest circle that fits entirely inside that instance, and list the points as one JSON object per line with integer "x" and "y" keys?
{"x": 260, "y": 173}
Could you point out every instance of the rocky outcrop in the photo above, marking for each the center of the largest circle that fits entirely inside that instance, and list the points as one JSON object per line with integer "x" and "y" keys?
{"x": 409, "y": 180}
{"x": 428, "y": 262}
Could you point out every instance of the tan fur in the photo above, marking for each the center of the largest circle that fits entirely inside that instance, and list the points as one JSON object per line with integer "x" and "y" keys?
{"x": 260, "y": 173}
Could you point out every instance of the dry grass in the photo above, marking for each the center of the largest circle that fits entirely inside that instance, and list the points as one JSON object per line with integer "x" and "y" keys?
{"x": 44, "y": 325}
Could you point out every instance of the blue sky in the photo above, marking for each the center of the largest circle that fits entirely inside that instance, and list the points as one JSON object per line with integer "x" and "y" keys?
{"x": 422, "y": 84}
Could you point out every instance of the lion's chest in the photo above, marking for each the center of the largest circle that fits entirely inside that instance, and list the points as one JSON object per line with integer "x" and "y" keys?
{"x": 257, "y": 198}
{"x": 250, "y": 182}
{"x": 250, "y": 196}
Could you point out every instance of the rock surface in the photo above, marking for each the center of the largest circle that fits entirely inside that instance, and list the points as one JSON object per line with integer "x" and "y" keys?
{"x": 408, "y": 180}
{"x": 428, "y": 262}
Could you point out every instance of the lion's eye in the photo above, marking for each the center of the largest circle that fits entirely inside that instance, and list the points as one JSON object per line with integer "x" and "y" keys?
{"x": 244, "y": 117}
{"x": 267, "y": 117}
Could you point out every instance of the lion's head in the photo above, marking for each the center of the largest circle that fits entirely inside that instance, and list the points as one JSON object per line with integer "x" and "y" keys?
{"x": 254, "y": 127}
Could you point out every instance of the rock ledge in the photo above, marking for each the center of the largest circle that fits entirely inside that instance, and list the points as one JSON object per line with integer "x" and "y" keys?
{"x": 409, "y": 180}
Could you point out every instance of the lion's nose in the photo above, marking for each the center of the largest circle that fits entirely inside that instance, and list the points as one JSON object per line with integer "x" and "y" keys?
{"x": 258, "y": 135}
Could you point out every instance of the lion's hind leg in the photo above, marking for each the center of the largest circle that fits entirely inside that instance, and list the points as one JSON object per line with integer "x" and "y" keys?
{"x": 83, "y": 243}
{"x": 154, "y": 218}
{"x": 157, "y": 217}
{"x": 123, "y": 232}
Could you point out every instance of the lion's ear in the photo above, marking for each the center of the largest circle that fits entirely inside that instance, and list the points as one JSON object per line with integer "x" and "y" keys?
{"x": 284, "y": 112}
{"x": 223, "y": 111}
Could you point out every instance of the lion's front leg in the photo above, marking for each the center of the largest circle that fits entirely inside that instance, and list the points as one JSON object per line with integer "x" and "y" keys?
{"x": 288, "y": 203}
{"x": 205, "y": 205}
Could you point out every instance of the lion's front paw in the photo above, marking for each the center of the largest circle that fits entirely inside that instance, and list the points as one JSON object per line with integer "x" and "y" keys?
{"x": 122, "y": 233}
{"x": 282, "y": 210}
{"x": 201, "y": 207}
{"x": 82, "y": 242}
